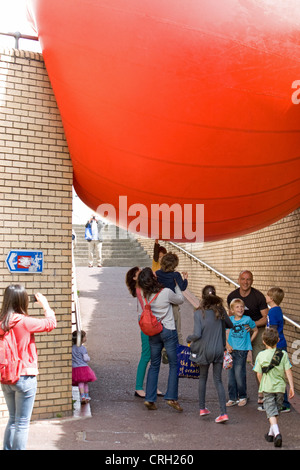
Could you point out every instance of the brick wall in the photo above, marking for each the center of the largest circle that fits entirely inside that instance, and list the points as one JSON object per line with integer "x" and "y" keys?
{"x": 272, "y": 254}
{"x": 36, "y": 213}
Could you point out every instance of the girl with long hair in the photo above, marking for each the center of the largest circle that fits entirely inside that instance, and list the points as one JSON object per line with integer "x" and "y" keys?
{"x": 20, "y": 396}
{"x": 162, "y": 308}
{"x": 135, "y": 291}
{"x": 207, "y": 346}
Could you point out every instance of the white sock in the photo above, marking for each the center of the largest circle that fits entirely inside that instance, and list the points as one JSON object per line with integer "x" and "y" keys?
{"x": 271, "y": 431}
{"x": 275, "y": 429}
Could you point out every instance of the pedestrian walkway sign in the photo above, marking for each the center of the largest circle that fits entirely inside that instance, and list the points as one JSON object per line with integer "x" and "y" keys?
{"x": 21, "y": 261}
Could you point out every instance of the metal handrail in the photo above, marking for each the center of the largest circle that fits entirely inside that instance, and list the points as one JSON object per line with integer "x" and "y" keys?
{"x": 76, "y": 302}
{"x": 17, "y": 35}
{"x": 218, "y": 274}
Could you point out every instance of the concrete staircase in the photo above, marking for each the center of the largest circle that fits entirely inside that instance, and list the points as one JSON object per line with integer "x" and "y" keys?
{"x": 119, "y": 248}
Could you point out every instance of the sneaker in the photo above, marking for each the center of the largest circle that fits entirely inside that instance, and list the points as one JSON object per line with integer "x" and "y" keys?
{"x": 242, "y": 402}
{"x": 232, "y": 402}
{"x": 285, "y": 409}
{"x": 278, "y": 440}
{"x": 82, "y": 399}
{"x": 261, "y": 408}
{"x": 204, "y": 412}
{"x": 87, "y": 398}
{"x": 221, "y": 419}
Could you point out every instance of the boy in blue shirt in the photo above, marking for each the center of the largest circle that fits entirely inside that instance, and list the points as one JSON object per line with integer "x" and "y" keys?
{"x": 238, "y": 344}
{"x": 274, "y": 298}
{"x": 275, "y": 320}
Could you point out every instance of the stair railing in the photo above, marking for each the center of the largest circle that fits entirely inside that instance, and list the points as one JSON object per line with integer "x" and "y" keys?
{"x": 220, "y": 275}
{"x": 217, "y": 273}
{"x": 17, "y": 35}
{"x": 75, "y": 302}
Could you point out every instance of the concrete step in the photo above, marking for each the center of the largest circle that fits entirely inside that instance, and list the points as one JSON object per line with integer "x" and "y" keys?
{"x": 119, "y": 248}
{"x": 130, "y": 262}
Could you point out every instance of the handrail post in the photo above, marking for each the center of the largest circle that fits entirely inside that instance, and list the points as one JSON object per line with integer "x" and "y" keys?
{"x": 17, "y": 37}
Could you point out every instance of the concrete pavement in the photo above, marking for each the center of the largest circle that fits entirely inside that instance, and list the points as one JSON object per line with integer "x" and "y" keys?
{"x": 118, "y": 421}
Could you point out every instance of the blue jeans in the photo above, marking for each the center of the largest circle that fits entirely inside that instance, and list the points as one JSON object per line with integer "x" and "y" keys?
{"x": 19, "y": 400}
{"x": 237, "y": 384}
{"x": 169, "y": 340}
{"x": 286, "y": 402}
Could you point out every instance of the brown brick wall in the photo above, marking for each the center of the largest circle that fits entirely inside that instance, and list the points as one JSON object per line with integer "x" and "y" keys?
{"x": 272, "y": 254}
{"x": 36, "y": 213}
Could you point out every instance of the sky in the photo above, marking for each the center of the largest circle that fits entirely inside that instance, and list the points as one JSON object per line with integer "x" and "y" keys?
{"x": 13, "y": 18}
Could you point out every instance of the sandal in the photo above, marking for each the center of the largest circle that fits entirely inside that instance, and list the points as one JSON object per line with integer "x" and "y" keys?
{"x": 242, "y": 402}
{"x": 150, "y": 405}
{"x": 232, "y": 402}
{"x": 175, "y": 405}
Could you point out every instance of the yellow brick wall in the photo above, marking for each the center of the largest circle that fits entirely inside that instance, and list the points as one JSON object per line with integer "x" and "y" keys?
{"x": 36, "y": 213}
{"x": 272, "y": 254}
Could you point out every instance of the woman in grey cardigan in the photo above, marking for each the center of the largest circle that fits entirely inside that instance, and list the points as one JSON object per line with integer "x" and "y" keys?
{"x": 162, "y": 308}
{"x": 208, "y": 345}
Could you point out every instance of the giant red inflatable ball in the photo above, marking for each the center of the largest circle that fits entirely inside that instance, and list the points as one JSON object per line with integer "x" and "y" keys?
{"x": 178, "y": 103}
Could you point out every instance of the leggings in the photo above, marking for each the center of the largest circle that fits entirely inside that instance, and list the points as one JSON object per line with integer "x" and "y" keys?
{"x": 217, "y": 377}
{"x": 143, "y": 363}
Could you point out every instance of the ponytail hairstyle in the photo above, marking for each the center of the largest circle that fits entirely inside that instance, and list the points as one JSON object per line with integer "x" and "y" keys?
{"x": 211, "y": 301}
{"x": 15, "y": 300}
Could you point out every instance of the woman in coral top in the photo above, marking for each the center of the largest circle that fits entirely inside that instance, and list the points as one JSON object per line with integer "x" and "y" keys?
{"x": 20, "y": 396}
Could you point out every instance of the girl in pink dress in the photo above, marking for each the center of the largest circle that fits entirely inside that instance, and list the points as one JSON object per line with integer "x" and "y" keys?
{"x": 81, "y": 372}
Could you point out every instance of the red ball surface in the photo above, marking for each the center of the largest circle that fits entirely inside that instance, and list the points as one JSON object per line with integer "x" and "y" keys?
{"x": 179, "y": 103}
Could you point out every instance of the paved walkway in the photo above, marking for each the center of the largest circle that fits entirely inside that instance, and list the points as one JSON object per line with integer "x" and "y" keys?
{"x": 116, "y": 420}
